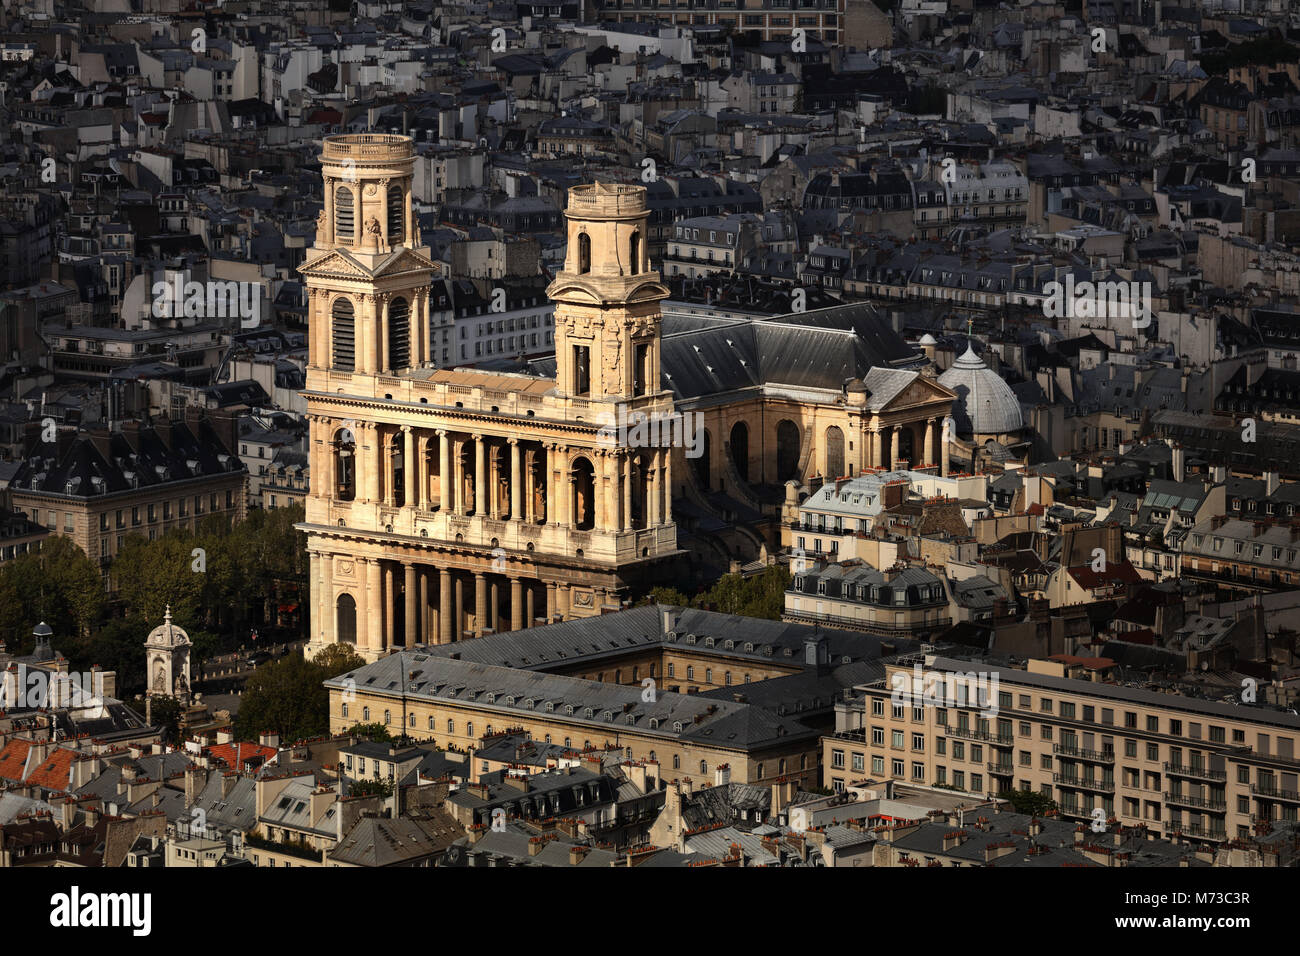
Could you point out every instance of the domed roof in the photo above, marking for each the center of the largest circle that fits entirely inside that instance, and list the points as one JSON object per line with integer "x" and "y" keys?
{"x": 927, "y": 339}
{"x": 986, "y": 405}
{"x": 167, "y": 632}
{"x": 856, "y": 385}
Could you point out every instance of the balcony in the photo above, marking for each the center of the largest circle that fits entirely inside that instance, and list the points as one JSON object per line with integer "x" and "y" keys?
{"x": 1082, "y": 753}
{"x": 1198, "y": 832}
{"x": 965, "y": 733}
{"x": 1195, "y": 773}
{"x": 1264, "y": 790}
{"x": 1083, "y": 783}
{"x": 1004, "y": 769}
{"x": 1199, "y": 803}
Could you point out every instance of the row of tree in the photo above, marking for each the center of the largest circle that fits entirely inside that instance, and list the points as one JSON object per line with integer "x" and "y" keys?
{"x": 762, "y": 595}
{"x": 221, "y": 580}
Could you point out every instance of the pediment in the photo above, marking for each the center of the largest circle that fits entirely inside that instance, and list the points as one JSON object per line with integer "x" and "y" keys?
{"x": 572, "y": 291}
{"x": 335, "y": 264}
{"x": 405, "y": 261}
{"x": 648, "y": 290}
{"x": 919, "y": 392}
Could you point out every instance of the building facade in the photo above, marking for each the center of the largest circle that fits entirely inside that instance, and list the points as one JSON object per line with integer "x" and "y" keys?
{"x": 454, "y": 503}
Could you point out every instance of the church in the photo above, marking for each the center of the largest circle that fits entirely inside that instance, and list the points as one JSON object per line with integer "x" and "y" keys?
{"x": 452, "y": 503}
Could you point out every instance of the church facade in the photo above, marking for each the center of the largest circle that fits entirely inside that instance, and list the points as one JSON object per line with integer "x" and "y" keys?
{"x": 453, "y": 503}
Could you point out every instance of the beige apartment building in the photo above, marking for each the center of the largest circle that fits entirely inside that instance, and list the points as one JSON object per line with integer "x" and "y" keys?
{"x": 1210, "y": 770}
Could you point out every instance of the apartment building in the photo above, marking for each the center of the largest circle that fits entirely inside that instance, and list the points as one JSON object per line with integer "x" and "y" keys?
{"x": 1260, "y": 555}
{"x": 770, "y": 19}
{"x": 1208, "y": 770}
{"x": 907, "y": 601}
{"x": 707, "y": 244}
{"x": 97, "y": 487}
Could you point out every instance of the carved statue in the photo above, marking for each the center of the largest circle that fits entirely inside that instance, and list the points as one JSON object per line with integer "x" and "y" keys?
{"x": 613, "y": 347}
{"x": 373, "y": 231}
{"x": 160, "y": 679}
{"x": 321, "y": 222}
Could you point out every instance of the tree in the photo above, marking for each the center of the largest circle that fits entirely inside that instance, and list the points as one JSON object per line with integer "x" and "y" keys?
{"x": 58, "y": 585}
{"x": 287, "y": 697}
{"x": 370, "y": 788}
{"x": 336, "y": 659}
{"x": 377, "y": 733}
{"x": 166, "y": 715}
{"x": 152, "y": 575}
{"x": 1027, "y": 802}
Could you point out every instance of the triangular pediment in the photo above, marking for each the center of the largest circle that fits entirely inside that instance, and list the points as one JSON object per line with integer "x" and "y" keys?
{"x": 918, "y": 392}
{"x": 407, "y": 260}
{"x": 341, "y": 264}
{"x": 335, "y": 264}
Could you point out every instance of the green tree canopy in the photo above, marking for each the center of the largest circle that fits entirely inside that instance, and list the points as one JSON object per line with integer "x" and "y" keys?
{"x": 287, "y": 697}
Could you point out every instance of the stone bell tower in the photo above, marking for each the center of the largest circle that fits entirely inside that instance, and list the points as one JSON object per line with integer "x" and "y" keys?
{"x": 368, "y": 273}
{"x": 607, "y": 316}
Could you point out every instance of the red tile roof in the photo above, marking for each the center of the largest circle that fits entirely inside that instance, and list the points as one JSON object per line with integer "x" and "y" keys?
{"x": 55, "y": 771}
{"x": 13, "y": 759}
{"x": 247, "y": 752}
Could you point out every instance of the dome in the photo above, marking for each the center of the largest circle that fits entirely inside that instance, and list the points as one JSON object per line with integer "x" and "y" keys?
{"x": 927, "y": 339}
{"x": 168, "y": 633}
{"x": 856, "y": 385}
{"x": 986, "y": 405}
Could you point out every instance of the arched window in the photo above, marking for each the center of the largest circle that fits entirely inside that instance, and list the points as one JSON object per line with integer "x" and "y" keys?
{"x": 397, "y": 471}
{"x": 399, "y": 334}
{"x": 388, "y": 717}
{"x": 451, "y": 726}
{"x": 343, "y": 334}
{"x": 396, "y": 214}
{"x": 344, "y": 218}
{"x": 834, "y": 452}
{"x": 365, "y": 713}
{"x": 584, "y": 253}
{"x": 345, "y": 629}
{"x": 345, "y": 466}
{"x": 635, "y": 253}
{"x": 739, "y": 442}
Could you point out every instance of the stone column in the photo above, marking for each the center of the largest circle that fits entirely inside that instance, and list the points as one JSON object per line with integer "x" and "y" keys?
{"x": 480, "y": 477}
{"x": 444, "y": 472}
{"x": 446, "y": 607}
{"x": 375, "y": 461}
{"x": 408, "y": 238}
{"x": 458, "y": 477}
{"x": 605, "y": 493}
{"x": 375, "y": 604}
{"x": 317, "y": 590}
{"x": 626, "y": 481}
{"x": 552, "y": 607}
{"x": 412, "y": 623}
{"x": 362, "y": 571}
{"x": 426, "y": 609}
{"x": 552, "y": 484}
{"x": 927, "y": 457}
{"x": 530, "y": 486}
{"x": 326, "y": 235}
{"x": 410, "y": 486}
{"x": 531, "y": 610}
{"x": 480, "y": 603}
{"x": 945, "y": 437}
{"x": 652, "y": 517}
{"x": 458, "y": 608}
{"x": 494, "y": 605}
{"x": 366, "y": 316}
{"x": 390, "y": 598}
{"x": 516, "y": 604}
{"x": 668, "y": 486}
{"x": 384, "y": 360}
{"x": 893, "y": 447}
{"x": 565, "y": 599}
{"x": 516, "y": 491}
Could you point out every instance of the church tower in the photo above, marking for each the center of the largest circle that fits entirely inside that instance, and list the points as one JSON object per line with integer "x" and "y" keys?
{"x": 607, "y": 312}
{"x": 451, "y": 503}
{"x": 368, "y": 275}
